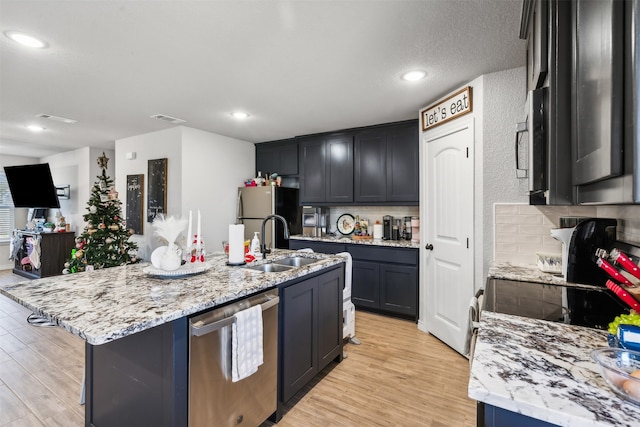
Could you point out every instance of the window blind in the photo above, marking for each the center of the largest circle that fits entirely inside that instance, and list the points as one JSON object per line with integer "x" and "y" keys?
{"x": 6, "y": 210}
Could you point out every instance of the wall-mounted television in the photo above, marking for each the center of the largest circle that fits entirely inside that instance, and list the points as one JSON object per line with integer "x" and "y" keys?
{"x": 32, "y": 186}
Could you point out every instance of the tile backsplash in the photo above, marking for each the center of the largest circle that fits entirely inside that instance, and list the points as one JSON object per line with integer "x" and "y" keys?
{"x": 520, "y": 231}
{"x": 371, "y": 213}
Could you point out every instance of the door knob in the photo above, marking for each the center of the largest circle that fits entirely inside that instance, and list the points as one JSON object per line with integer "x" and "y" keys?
{"x": 429, "y": 247}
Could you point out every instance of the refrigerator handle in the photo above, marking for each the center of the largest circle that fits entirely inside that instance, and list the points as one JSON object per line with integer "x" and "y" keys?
{"x": 239, "y": 212}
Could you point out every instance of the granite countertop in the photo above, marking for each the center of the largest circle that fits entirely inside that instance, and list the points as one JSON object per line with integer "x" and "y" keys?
{"x": 349, "y": 240}
{"x": 529, "y": 273}
{"x": 543, "y": 370}
{"x": 104, "y": 305}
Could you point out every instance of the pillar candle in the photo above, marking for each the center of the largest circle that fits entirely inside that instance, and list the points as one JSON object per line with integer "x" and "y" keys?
{"x": 189, "y": 235}
{"x": 236, "y": 243}
{"x": 199, "y": 238}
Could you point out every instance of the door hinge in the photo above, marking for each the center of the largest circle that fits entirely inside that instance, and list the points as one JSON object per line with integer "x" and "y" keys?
{"x": 467, "y": 243}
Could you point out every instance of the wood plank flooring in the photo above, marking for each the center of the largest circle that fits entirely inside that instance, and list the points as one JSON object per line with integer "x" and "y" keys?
{"x": 398, "y": 376}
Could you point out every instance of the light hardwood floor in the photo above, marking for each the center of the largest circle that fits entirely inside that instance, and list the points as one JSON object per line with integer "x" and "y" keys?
{"x": 398, "y": 376}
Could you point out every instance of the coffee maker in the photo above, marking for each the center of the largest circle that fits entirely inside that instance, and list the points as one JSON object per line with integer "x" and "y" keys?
{"x": 587, "y": 237}
{"x": 387, "y": 227}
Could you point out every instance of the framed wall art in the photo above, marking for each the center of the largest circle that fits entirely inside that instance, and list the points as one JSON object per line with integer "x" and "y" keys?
{"x": 135, "y": 201}
{"x": 157, "y": 189}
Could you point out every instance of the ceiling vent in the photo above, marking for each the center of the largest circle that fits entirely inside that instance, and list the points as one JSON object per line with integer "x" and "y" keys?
{"x": 56, "y": 118}
{"x": 168, "y": 119}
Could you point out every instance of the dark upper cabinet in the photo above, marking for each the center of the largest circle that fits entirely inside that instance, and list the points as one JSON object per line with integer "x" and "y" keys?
{"x": 339, "y": 168}
{"x": 598, "y": 34}
{"x": 403, "y": 163}
{"x": 589, "y": 68}
{"x": 312, "y": 169}
{"x": 534, "y": 28}
{"x": 277, "y": 156}
{"x": 370, "y": 182}
{"x": 326, "y": 169}
{"x": 387, "y": 167}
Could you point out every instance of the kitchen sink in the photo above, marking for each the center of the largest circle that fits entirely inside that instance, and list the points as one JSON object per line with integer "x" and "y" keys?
{"x": 296, "y": 261}
{"x": 270, "y": 268}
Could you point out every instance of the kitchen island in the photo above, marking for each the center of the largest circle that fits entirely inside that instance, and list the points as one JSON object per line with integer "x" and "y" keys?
{"x": 136, "y": 327}
{"x": 531, "y": 372}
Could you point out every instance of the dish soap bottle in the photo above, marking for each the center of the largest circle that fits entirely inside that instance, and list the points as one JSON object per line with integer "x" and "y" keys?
{"x": 255, "y": 244}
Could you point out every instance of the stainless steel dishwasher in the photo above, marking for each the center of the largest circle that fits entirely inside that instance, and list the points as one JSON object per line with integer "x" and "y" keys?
{"x": 214, "y": 400}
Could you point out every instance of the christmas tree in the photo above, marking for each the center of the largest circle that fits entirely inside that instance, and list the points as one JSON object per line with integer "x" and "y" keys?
{"x": 105, "y": 239}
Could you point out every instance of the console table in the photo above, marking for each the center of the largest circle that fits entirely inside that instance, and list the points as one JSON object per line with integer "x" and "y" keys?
{"x": 55, "y": 249}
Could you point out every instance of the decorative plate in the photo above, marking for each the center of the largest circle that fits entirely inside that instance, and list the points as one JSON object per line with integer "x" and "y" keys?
{"x": 346, "y": 224}
{"x": 184, "y": 270}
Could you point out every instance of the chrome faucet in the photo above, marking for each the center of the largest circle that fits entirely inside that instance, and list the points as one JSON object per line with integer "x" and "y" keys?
{"x": 263, "y": 246}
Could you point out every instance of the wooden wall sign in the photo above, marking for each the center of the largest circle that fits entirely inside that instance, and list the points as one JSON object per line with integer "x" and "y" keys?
{"x": 157, "y": 189}
{"x": 135, "y": 200}
{"x": 458, "y": 104}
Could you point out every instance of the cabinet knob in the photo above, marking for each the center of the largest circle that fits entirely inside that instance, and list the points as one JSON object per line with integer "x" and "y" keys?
{"x": 429, "y": 247}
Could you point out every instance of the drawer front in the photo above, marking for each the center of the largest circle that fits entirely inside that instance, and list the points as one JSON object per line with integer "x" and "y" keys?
{"x": 321, "y": 247}
{"x": 407, "y": 256}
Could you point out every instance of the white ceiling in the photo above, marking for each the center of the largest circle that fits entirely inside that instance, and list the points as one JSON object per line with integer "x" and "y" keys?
{"x": 297, "y": 67}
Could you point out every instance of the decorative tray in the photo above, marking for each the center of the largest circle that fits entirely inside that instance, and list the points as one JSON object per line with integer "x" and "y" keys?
{"x": 346, "y": 224}
{"x": 354, "y": 237}
{"x": 184, "y": 270}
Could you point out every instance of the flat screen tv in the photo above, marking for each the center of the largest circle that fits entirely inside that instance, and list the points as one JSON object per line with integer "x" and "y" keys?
{"x": 32, "y": 186}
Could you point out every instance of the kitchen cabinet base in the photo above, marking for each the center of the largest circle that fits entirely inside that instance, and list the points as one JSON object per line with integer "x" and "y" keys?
{"x": 492, "y": 416}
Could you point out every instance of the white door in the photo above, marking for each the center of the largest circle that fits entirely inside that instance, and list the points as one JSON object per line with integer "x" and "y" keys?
{"x": 446, "y": 241}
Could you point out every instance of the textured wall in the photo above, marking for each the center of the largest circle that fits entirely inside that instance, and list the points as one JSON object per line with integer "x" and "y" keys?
{"x": 504, "y": 102}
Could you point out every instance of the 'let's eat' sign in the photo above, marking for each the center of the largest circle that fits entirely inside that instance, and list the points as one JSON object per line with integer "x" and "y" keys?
{"x": 454, "y": 106}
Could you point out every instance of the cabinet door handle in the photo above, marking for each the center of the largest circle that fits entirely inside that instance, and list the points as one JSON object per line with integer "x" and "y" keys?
{"x": 429, "y": 247}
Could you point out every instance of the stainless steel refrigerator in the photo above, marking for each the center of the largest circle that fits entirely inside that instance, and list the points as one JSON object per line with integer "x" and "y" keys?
{"x": 256, "y": 203}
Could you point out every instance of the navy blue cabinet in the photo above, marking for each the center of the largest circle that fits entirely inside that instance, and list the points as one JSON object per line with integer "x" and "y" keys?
{"x": 280, "y": 157}
{"x": 326, "y": 169}
{"x": 310, "y": 329}
{"x": 385, "y": 279}
{"x": 387, "y": 167}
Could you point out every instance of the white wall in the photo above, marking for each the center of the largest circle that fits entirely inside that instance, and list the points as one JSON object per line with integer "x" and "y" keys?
{"x": 204, "y": 171}
{"x": 214, "y": 166}
{"x": 155, "y": 145}
{"x": 503, "y": 106}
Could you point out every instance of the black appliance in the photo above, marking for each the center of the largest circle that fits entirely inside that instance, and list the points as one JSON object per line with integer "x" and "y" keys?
{"x": 589, "y": 236}
{"x": 32, "y": 186}
{"x": 387, "y": 227}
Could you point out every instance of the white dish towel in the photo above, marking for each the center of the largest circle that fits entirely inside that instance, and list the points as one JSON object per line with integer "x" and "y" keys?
{"x": 246, "y": 343}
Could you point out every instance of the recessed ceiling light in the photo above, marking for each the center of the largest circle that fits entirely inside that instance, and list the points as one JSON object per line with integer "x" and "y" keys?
{"x": 239, "y": 115}
{"x": 412, "y": 76}
{"x": 26, "y": 39}
{"x": 35, "y": 128}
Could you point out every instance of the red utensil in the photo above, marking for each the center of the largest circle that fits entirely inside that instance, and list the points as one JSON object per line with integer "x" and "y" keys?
{"x": 623, "y": 295}
{"x": 621, "y": 258}
{"x": 612, "y": 271}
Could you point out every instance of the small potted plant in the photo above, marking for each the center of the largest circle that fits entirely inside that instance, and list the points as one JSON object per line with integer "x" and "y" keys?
{"x": 47, "y": 227}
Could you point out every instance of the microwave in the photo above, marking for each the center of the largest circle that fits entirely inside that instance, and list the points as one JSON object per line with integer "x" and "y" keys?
{"x": 531, "y": 144}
